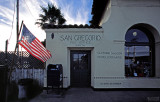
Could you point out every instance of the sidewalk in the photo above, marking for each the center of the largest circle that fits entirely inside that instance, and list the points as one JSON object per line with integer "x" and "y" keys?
{"x": 89, "y": 95}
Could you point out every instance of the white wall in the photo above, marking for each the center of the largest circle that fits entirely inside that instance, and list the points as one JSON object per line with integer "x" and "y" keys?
{"x": 124, "y": 14}
{"x": 66, "y": 40}
{"x": 107, "y": 44}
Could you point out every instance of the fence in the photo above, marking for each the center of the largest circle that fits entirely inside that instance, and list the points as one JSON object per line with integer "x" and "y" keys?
{"x": 36, "y": 74}
{"x": 3, "y": 83}
{"x": 25, "y": 66}
{"x": 22, "y": 60}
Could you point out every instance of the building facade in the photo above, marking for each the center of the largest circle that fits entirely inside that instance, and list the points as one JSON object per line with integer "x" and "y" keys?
{"x": 124, "y": 53}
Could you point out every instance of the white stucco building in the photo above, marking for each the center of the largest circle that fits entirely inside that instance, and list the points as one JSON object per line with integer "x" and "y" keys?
{"x": 124, "y": 53}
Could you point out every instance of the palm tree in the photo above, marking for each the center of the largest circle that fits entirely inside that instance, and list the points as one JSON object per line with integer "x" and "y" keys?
{"x": 51, "y": 15}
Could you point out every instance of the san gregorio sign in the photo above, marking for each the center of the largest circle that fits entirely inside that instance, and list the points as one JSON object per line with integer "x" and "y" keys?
{"x": 81, "y": 40}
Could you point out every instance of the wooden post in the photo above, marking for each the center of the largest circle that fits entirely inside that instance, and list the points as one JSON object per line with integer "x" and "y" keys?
{"x": 6, "y": 52}
{"x": 6, "y": 70}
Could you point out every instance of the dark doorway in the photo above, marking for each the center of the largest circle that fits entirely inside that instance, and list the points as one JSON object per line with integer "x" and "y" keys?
{"x": 80, "y": 68}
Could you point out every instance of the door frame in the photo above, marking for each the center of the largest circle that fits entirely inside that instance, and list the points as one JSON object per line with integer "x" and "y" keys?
{"x": 89, "y": 65}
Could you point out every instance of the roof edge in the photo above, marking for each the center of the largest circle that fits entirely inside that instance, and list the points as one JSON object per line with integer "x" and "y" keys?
{"x": 51, "y": 26}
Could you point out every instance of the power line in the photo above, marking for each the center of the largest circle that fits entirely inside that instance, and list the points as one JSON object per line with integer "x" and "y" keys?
{"x": 12, "y": 22}
{"x": 29, "y": 9}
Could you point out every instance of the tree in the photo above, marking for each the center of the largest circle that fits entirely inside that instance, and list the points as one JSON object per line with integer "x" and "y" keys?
{"x": 51, "y": 15}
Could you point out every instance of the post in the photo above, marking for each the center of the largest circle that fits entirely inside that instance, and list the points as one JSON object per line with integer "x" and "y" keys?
{"x": 6, "y": 69}
{"x": 6, "y": 52}
{"x": 17, "y": 27}
{"x": 17, "y": 20}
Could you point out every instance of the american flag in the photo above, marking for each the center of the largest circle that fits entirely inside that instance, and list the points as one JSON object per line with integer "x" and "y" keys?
{"x": 30, "y": 43}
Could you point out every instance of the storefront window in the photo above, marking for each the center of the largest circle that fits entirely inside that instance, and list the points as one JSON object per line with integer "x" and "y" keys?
{"x": 138, "y": 54}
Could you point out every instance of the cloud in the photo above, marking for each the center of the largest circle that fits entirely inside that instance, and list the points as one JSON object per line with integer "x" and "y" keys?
{"x": 6, "y": 14}
{"x": 4, "y": 35}
{"x": 44, "y": 2}
{"x": 55, "y": 2}
{"x": 82, "y": 13}
{"x": 30, "y": 16}
{"x": 75, "y": 15}
{"x": 6, "y": 18}
{"x": 29, "y": 12}
{"x": 74, "y": 11}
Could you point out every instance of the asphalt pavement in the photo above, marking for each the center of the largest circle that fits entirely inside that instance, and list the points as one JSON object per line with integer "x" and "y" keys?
{"x": 90, "y": 95}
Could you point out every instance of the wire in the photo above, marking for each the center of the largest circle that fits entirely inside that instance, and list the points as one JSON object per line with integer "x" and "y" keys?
{"x": 29, "y": 9}
{"x": 12, "y": 23}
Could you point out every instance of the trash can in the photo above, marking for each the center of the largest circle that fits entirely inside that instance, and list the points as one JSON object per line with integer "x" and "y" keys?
{"x": 54, "y": 76}
{"x": 25, "y": 88}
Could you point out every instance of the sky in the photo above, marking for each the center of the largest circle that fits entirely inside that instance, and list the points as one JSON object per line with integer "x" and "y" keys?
{"x": 74, "y": 11}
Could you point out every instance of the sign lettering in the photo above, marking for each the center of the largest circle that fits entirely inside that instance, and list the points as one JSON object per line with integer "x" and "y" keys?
{"x": 80, "y": 40}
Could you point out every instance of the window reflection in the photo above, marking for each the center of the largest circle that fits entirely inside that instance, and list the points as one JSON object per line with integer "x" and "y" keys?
{"x": 80, "y": 61}
{"x": 75, "y": 55}
{"x": 138, "y": 61}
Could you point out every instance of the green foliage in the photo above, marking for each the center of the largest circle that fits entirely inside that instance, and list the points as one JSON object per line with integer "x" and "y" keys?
{"x": 51, "y": 15}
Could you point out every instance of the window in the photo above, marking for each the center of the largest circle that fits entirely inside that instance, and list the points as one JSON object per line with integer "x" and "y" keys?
{"x": 139, "y": 53}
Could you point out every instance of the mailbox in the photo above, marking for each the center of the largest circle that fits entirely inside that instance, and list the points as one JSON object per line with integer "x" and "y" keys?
{"x": 54, "y": 75}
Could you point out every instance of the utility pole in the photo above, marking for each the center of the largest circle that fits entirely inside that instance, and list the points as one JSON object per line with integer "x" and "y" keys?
{"x": 17, "y": 24}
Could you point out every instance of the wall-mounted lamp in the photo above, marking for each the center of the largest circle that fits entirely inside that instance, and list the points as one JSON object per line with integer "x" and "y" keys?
{"x": 52, "y": 35}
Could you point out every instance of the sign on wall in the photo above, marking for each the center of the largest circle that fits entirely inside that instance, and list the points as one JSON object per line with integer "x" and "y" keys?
{"x": 80, "y": 40}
